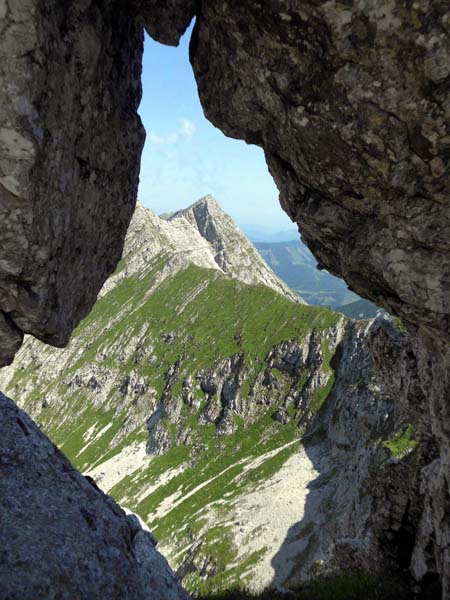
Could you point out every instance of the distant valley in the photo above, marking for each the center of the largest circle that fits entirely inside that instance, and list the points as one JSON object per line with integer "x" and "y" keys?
{"x": 293, "y": 263}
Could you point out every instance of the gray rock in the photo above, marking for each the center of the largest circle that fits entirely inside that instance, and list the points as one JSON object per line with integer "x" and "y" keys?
{"x": 61, "y": 537}
{"x": 351, "y": 105}
{"x": 70, "y": 143}
{"x": 164, "y": 20}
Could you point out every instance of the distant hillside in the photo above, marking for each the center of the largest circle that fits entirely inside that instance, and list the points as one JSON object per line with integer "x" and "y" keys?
{"x": 360, "y": 309}
{"x": 294, "y": 264}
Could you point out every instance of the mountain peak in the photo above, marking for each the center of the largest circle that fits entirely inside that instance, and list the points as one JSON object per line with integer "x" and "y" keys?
{"x": 205, "y": 205}
{"x": 202, "y": 234}
{"x": 208, "y": 201}
{"x": 232, "y": 250}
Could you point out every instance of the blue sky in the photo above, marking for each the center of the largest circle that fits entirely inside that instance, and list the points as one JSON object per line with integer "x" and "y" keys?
{"x": 186, "y": 157}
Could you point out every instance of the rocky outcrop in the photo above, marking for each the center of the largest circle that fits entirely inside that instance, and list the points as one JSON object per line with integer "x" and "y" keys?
{"x": 61, "y": 536}
{"x": 70, "y": 143}
{"x": 350, "y": 103}
{"x": 287, "y": 382}
{"x": 380, "y": 482}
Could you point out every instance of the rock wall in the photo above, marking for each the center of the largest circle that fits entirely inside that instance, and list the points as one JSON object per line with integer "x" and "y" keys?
{"x": 61, "y": 536}
{"x": 70, "y": 144}
{"x": 350, "y": 102}
{"x": 419, "y": 377}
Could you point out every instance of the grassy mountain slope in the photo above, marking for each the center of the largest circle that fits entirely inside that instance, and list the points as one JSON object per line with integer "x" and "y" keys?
{"x": 86, "y": 403}
{"x": 136, "y": 374}
{"x": 185, "y": 394}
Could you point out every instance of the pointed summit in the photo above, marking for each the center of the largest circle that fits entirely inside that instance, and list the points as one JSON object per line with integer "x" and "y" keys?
{"x": 232, "y": 250}
{"x": 206, "y": 205}
{"x": 203, "y": 235}
{"x": 207, "y": 201}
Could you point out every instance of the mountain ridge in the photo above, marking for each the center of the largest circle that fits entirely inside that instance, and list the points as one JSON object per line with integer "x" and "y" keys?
{"x": 202, "y": 234}
{"x": 192, "y": 397}
{"x": 233, "y": 251}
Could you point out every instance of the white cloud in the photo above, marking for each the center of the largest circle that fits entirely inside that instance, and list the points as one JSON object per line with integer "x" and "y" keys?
{"x": 154, "y": 138}
{"x": 186, "y": 130}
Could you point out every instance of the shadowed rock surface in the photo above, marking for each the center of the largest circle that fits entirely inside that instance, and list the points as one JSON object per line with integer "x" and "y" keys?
{"x": 70, "y": 144}
{"x": 61, "y": 536}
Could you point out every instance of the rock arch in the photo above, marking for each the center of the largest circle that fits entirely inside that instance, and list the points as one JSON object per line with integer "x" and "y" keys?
{"x": 350, "y": 102}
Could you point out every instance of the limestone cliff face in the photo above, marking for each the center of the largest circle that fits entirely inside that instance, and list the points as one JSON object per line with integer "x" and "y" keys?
{"x": 61, "y": 536}
{"x": 70, "y": 143}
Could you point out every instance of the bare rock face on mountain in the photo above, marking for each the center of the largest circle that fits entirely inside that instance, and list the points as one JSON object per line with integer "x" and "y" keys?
{"x": 233, "y": 252}
{"x": 75, "y": 540}
{"x": 70, "y": 142}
